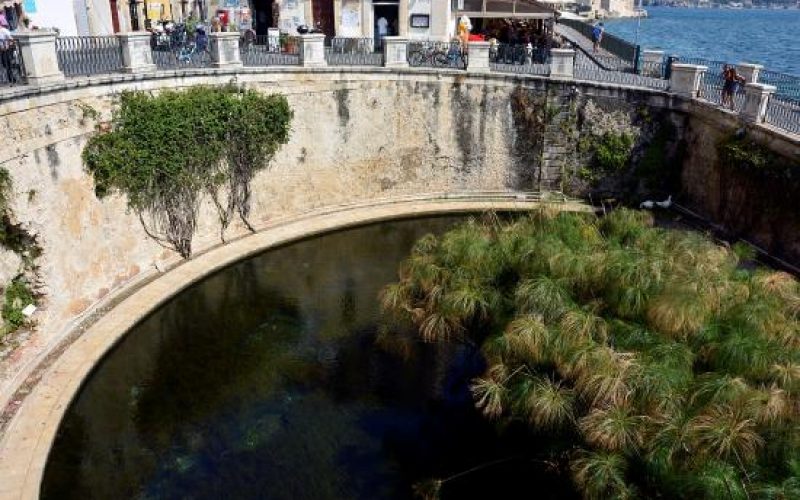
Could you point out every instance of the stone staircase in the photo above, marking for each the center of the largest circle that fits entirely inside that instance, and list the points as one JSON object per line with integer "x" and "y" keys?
{"x": 558, "y": 145}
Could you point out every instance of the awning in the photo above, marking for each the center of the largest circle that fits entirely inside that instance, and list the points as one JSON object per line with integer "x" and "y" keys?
{"x": 518, "y": 9}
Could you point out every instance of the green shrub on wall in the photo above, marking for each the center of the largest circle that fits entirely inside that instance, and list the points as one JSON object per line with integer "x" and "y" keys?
{"x": 613, "y": 151}
{"x": 17, "y": 296}
{"x": 760, "y": 161}
{"x": 165, "y": 151}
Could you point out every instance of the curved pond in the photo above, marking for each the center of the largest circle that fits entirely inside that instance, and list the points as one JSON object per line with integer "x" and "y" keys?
{"x": 265, "y": 381}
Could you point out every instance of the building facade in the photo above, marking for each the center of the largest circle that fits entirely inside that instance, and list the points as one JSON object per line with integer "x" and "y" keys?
{"x": 68, "y": 17}
{"x": 415, "y": 19}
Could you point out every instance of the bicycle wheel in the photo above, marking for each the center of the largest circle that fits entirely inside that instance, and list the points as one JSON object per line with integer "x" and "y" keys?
{"x": 182, "y": 56}
{"x": 249, "y": 38}
{"x": 415, "y": 58}
{"x": 440, "y": 60}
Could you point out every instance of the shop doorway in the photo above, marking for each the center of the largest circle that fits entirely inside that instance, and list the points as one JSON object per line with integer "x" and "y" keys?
{"x": 262, "y": 13}
{"x": 114, "y": 16}
{"x": 386, "y": 21}
{"x": 323, "y": 16}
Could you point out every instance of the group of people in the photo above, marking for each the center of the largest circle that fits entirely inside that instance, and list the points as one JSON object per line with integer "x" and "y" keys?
{"x": 7, "y": 50}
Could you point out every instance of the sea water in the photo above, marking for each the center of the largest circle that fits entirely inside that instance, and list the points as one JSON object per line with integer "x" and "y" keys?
{"x": 768, "y": 37}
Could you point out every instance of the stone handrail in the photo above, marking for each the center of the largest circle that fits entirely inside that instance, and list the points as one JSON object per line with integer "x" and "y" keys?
{"x": 41, "y": 63}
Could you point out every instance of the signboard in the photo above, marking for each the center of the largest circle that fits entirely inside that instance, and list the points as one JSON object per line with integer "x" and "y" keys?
{"x": 420, "y": 21}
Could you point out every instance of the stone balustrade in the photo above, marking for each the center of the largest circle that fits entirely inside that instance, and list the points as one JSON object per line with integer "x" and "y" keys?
{"x": 41, "y": 63}
{"x": 136, "y": 53}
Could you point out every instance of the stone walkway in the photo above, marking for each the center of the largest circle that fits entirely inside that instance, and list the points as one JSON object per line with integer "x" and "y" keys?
{"x": 26, "y": 441}
{"x": 586, "y": 44}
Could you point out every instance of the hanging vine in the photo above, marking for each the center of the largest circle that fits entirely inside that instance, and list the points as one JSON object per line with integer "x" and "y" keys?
{"x": 166, "y": 151}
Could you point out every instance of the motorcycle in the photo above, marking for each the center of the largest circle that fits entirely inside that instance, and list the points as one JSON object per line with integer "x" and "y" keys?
{"x": 304, "y": 29}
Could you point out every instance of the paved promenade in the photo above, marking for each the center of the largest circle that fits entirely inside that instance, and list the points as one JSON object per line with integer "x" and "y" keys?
{"x": 584, "y": 43}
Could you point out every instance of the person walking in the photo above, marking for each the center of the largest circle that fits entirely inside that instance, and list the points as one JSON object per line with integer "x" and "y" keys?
{"x": 597, "y": 36}
{"x": 7, "y": 50}
{"x": 731, "y": 80}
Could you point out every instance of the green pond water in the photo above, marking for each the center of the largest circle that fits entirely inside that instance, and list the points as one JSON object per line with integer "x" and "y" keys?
{"x": 265, "y": 381}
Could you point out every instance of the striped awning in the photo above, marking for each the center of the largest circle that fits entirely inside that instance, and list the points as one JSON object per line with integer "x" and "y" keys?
{"x": 9, "y": 3}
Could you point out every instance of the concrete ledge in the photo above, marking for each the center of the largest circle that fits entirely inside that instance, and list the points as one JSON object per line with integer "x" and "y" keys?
{"x": 26, "y": 440}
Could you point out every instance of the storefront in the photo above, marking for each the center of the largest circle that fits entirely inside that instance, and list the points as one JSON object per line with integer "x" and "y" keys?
{"x": 487, "y": 16}
{"x": 157, "y": 10}
{"x": 415, "y": 19}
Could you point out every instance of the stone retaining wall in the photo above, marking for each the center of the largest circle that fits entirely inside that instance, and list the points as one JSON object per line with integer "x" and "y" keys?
{"x": 358, "y": 136}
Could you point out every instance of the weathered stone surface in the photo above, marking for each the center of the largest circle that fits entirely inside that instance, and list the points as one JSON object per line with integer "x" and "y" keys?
{"x": 358, "y": 136}
{"x": 10, "y": 266}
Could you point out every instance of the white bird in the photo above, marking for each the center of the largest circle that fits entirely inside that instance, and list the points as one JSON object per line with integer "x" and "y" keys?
{"x": 647, "y": 204}
{"x": 666, "y": 203}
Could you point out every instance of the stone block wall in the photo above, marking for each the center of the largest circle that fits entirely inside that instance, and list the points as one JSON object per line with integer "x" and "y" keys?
{"x": 355, "y": 138}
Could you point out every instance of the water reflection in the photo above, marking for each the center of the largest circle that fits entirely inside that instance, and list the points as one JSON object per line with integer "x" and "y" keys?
{"x": 264, "y": 381}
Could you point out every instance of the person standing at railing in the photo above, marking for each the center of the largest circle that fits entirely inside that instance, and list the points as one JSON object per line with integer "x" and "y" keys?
{"x": 731, "y": 80}
{"x": 7, "y": 50}
{"x": 597, "y": 36}
{"x": 200, "y": 38}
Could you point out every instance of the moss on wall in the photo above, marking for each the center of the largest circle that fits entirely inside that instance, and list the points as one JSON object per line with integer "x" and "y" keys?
{"x": 18, "y": 293}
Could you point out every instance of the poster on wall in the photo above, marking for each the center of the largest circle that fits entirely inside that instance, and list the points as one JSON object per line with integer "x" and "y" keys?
{"x": 350, "y": 19}
{"x": 292, "y": 16}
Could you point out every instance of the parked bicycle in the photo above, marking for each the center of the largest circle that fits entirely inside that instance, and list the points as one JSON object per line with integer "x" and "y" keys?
{"x": 190, "y": 51}
{"x": 438, "y": 55}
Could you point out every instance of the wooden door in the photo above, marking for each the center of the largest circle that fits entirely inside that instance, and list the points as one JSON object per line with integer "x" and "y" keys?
{"x": 323, "y": 16}
{"x": 114, "y": 16}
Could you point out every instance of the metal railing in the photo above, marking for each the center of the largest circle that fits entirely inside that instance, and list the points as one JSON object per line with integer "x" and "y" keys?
{"x": 517, "y": 58}
{"x": 783, "y": 112}
{"x": 12, "y": 67}
{"x": 185, "y": 56}
{"x": 615, "y": 45}
{"x": 611, "y": 63}
{"x": 435, "y": 54}
{"x": 587, "y": 69}
{"x": 347, "y": 51}
{"x": 88, "y": 55}
{"x": 271, "y": 51}
{"x": 654, "y": 69}
{"x": 713, "y": 83}
{"x": 788, "y": 86}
